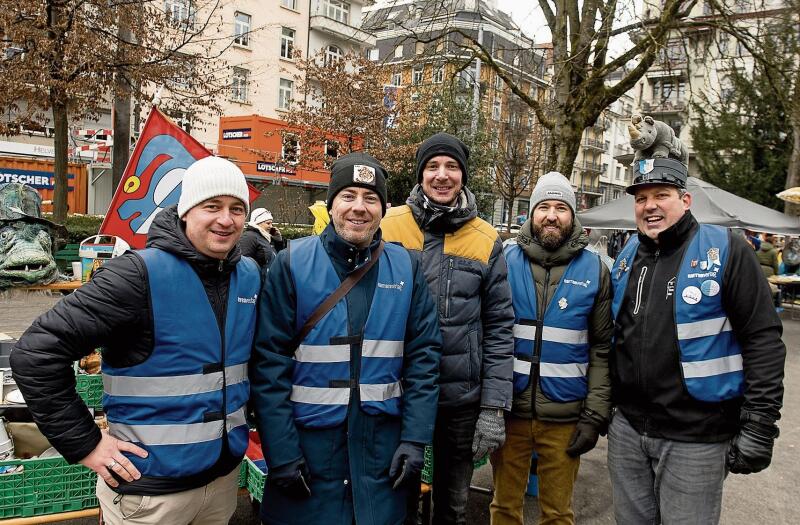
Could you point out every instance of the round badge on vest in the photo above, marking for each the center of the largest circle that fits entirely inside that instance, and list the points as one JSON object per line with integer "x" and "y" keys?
{"x": 710, "y": 288}
{"x": 691, "y": 295}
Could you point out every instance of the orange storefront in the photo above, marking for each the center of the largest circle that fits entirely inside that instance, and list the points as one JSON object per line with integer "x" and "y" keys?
{"x": 38, "y": 174}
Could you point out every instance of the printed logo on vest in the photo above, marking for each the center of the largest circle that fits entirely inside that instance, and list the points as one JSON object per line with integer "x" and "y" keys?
{"x": 585, "y": 283}
{"x": 247, "y": 300}
{"x": 387, "y": 286}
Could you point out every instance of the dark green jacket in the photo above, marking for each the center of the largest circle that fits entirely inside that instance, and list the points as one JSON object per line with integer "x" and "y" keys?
{"x": 768, "y": 259}
{"x": 601, "y": 328}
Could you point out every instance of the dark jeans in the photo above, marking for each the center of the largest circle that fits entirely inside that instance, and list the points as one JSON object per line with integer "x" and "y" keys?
{"x": 452, "y": 467}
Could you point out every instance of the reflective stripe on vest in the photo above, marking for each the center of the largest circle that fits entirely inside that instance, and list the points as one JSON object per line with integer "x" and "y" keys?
{"x": 172, "y": 403}
{"x": 711, "y": 360}
{"x": 564, "y": 346}
{"x": 321, "y": 379}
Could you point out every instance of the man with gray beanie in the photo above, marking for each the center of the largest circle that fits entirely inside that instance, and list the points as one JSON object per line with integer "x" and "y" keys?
{"x": 345, "y": 364}
{"x": 462, "y": 257}
{"x": 176, "y": 323}
{"x": 562, "y": 333}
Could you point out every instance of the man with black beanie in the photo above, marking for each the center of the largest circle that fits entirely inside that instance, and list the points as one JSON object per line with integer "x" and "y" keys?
{"x": 345, "y": 405}
{"x": 463, "y": 261}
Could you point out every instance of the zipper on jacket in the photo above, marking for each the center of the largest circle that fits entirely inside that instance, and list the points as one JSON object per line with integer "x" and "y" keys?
{"x": 642, "y": 353}
{"x": 537, "y": 344}
{"x": 447, "y": 290}
{"x": 224, "y": 378}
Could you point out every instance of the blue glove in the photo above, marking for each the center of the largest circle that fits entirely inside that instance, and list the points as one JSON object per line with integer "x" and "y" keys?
{"x": 407, "y": 463}
{"x": 291, "y": 479}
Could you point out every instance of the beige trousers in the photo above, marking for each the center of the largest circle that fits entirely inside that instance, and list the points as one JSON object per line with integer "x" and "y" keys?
{"x": 212, "y": 504}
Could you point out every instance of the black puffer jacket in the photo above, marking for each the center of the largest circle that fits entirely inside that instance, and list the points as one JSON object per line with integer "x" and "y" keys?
{"x": 646, "y": 378}
{"x": 111, "y": 311}
{"x": 463, "y": 261}
{"x": 254, "y": 244}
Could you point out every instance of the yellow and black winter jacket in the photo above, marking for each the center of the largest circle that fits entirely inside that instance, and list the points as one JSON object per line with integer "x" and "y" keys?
{"x": 463, "y": 262}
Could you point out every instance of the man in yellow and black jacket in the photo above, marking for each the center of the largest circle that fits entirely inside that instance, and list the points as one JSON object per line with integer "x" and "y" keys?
{"x": 463, "y": 261}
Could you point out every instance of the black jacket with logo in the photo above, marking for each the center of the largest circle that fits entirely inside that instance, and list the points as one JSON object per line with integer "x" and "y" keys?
{"x": 647, "y": 382}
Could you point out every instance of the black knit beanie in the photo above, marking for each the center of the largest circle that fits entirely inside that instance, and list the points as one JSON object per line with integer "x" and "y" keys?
{"x": 358, "y": 169}
{"x": 443, "y": 144}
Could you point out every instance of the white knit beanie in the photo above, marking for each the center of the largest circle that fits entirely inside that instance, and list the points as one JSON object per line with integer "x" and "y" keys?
{"x": 553, "y": 186}
{"x": 212, "y": 177}
{"x": 260, "y": 215}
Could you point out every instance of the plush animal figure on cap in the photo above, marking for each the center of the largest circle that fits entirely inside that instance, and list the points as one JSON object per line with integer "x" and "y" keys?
{"x": 652, "y": 138}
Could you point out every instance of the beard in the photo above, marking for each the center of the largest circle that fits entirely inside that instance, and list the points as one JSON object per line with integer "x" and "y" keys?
{"x": 552, "y": 240}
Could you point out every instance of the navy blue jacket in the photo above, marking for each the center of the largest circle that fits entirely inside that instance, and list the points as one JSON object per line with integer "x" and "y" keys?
{"x": 349, "y": 464}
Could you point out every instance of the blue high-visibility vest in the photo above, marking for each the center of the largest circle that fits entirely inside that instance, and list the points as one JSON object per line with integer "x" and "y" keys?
{"x": 321, "y": 380}
{"x": 562, "y": 335}
{"x": 171, "y": 404}
{"x": 711, "y": 358}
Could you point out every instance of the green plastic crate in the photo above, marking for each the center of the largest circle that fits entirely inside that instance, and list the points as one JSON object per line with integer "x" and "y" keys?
{"x": 255, "y": 480}
{"x": 427, "y": 468}
{"x": 46, "y": 486}
{"x": 243, "y": 475}
{"x": 90, "y": 388}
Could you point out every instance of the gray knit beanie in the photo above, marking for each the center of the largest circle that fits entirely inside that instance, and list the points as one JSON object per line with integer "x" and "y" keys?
{"x": 553, "y": 186}
{"x": 212, "y": 177}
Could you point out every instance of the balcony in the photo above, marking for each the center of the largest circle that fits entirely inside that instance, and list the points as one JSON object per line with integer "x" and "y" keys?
{"x": 593, "y": 144}
{"x": 667, "y": 106}
{"x": 622, "y": 149}
{"x": 341, "y": 30}
{"x": 601, "y": 123}
{"x": 589, "y": 189}
{"x": 669, "y": 68}
{"x": 590, "y": 167}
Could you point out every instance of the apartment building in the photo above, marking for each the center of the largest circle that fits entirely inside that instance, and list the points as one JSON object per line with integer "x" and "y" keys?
{"x": 401, "y": 28}
{"x": 695, "y": 64}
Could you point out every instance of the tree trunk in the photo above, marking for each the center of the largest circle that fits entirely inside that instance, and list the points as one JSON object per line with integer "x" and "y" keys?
{"x": 122, "y": 106}
{"x": 793, "y": 171}
{"x": 60, "y": 139}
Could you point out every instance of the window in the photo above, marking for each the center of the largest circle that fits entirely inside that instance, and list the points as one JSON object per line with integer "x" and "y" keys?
{"x": 398, "y": 51}
{"x": 438, "y": 74}
{"x": 498, "y": 82}
{"x": 337, "y": 9}
{"x": 397, "y": 79}
{"x": 619, "y": 173}
{"x": 528, "y": 148}
{"x": 333, "y": 54}
{"x": 416, "y": 75}
{"x": 287, "y": 43}
{"x": 239, "y": 84}
{"x": 530, "y": 120}
{"x": 497, "y": 108}
{"x": 241, "y": 29}
{"x": 466, "y": 77}
{"x": 180, "y": 12}
{"x": 331, "y": 152}
{"x": 290, "y": 148}
{"x": 419, "y": 48}
{"x": 285, "y": 92}
{"x": 374, "y": 54}
{"x": 291, "y": 4}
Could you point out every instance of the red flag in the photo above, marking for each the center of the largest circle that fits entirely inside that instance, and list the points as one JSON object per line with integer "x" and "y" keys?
{"x": 152, "y": 178}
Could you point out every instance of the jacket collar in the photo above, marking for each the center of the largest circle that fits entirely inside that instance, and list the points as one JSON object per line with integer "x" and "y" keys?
{"x": 577, "y": 241}
{"x": 673, "y": 237}
{"x": 436, "y": 217}
{"x": 344, "y": 254}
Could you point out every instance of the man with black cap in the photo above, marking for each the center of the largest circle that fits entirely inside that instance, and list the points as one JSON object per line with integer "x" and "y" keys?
{"x": 463, "y": 261}
{"x": 562, "y": 336}
{"x": 697, "y": 367}
{"x": 344, "y": 389}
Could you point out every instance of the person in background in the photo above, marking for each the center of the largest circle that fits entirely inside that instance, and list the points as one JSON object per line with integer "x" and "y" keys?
{"x": 176, "y": 323}
{"x": 256, "y": 241}
{"x": 768, "y": 256}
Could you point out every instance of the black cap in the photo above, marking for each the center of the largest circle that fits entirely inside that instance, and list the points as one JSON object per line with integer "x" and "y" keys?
{"x": 443, "y": 144}
{"x": 358, "y": 169}
{"x": 658, "y": 171}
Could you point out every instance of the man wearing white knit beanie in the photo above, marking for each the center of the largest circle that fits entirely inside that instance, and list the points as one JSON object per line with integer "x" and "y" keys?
{"x": 176, "y": 321}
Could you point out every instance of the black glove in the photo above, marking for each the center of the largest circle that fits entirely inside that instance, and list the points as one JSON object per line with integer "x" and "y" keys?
{"x": 292, "y": 479}
{"x": 751, "y": 448}
{"x": 407, "y": 463}
{"x": 586, "y": 433}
